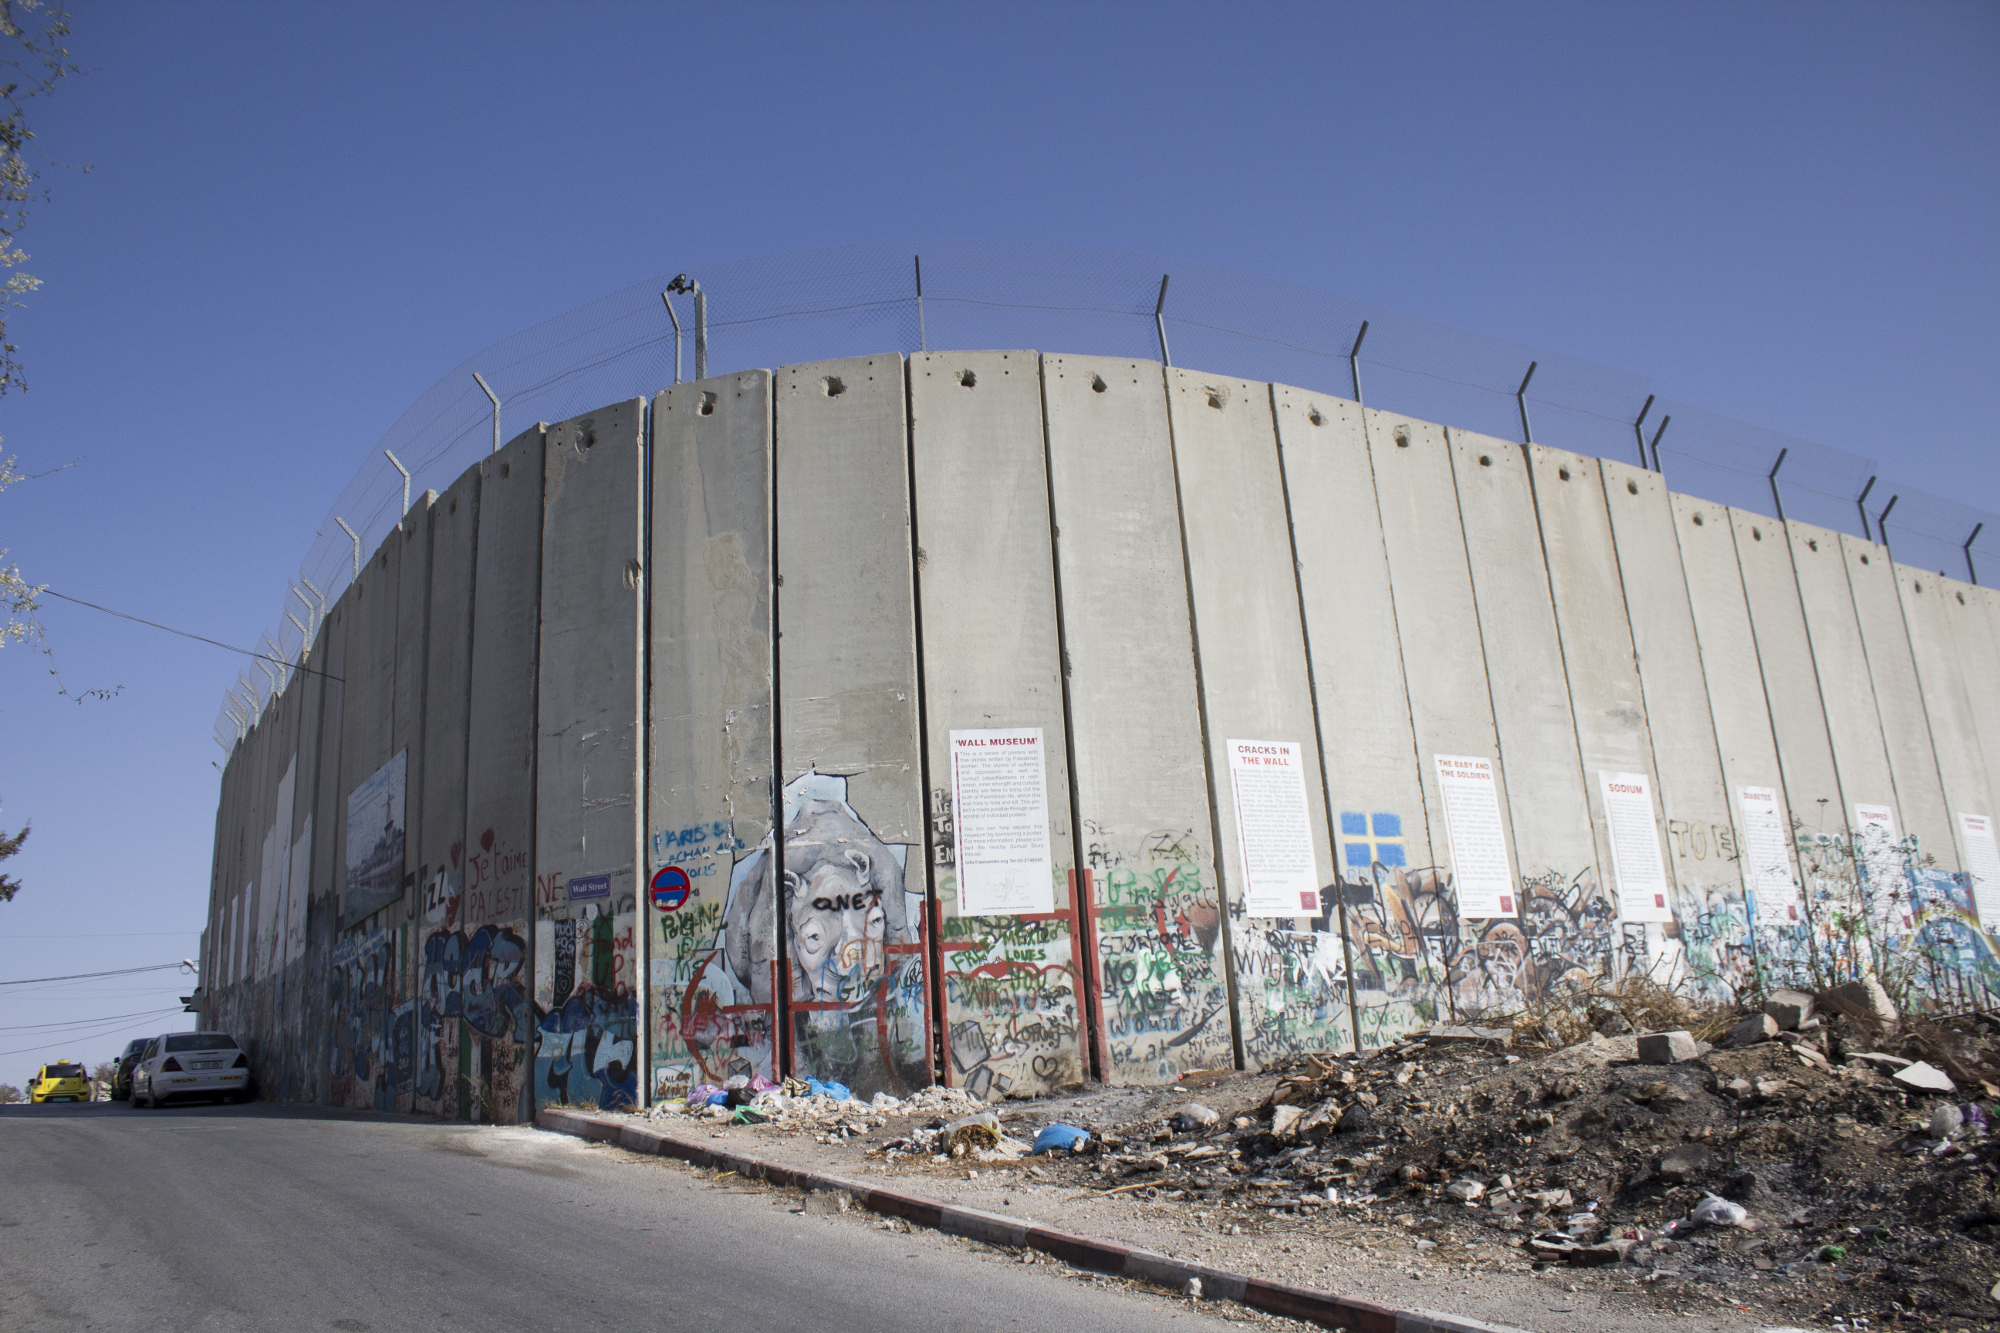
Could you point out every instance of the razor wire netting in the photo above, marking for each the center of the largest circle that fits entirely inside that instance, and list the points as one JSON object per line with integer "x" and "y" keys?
{"x": 821, "y": 304}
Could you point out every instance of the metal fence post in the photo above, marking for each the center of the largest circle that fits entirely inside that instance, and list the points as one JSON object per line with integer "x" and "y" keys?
{"x": 1638, "y": 432}
{"x": 1777, "y": 500}
{"x": 1969, "y": 567}
{"x": 1861, "y": 503}
{"x": 683, "y": 283}
{"x": 1160, "y": 321}
{"x": 1882, "y": 520}
{"x": 669, "y": 304}
{"x": 356, "y": 538}
{"x": 923, "y": 343}
{"x": 1521, "y": 401}
{"x": 496, "y": 410}
{"x": 1656, "y": 443}
{"x": 1354, "y": 362}
{"x": 398, "y": 464}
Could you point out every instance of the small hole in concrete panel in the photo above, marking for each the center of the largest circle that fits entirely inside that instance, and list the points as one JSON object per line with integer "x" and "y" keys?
{"x": 1402, "y": 437}
{"x": 1864, "y": 559}
{"x": 1097, "y": 384}
{"x": 708, "y": 404}
{"x": 832, "y": 386}
{"x": 1632, "y": 487}
{"x": 1486, "y": 460}
{"x": 1756, "y": 534}
{"x": 1961, "y": 598}
{"x": 1697, "y": 520}
{"x": 1218, "y": 398}
{"x": 505, "y": 468}
{"x": 967, "y": 380}
{"x": 454, "y": 509}
{"x": 385, "y": 559}
{"x": 1812, "y": 543}
{"x": 1563, "y": 472}
{"x": 1313, "y": 415}
{"x": 1920, "y": 587}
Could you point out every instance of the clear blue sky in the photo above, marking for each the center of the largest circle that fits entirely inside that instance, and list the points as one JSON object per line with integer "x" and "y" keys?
{"x": 298, "y": 216}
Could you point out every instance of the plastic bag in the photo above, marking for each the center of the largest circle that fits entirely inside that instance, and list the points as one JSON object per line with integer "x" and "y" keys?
{"x": 837, "y": 1091}
{"x": 1060, "y": 1138}
{"x": 1718, "y": 1212}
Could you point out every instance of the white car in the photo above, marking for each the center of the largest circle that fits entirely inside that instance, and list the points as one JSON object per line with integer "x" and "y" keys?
{"x": 187, "y": 1065}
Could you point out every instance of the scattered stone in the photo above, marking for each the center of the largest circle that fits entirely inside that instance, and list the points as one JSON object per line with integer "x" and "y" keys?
{"x": 1660, "y": 1091}
{"x": 1355, "y": 1119}
{"x": 1888, "y": 1064}
{"x": 1614, "y": 1026}
{"x": 1689, "y": 1162}
{"x": 1283, "y": 1118}
{"x": 1927, "y": 1077}
{"x": 1604, "y": 1252}
{"x": 1864, "y": 1001}
{"x": 1667, "y": 1048}
{"x": 1758, "y": 1027}
{"x": 1738, "y": 1087}
{"x": 1768, "y": 1088}
{"x": 1946, "y": 1121}
{"x": 1789, "y": 1008}
{"x": 1466, "y": 1191}
{"x": 1194, "y": 1116}
{"x": 1496, "y": 1036}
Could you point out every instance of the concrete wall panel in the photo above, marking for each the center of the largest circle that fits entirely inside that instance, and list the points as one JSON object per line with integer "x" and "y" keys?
{"x": 587, "y": 819}
{"x": 1451, "y": 710}
{"x": 1899, "y": 700}
{"x": 712, "y": 989}
{"x": 501, "y": 727}
{"x": 453, "y": 1015}
{"x": 1711, "y": 907}
{"x": 1013, "y": 986}
{"x": 849, "y": 742}
{"x": 1369, "y": 752}
{"x": 326, "y": 859}
{"x": 1289, "y": 969}
{"x": 1561, "y": 924}
{"x": 1143, "y": 817}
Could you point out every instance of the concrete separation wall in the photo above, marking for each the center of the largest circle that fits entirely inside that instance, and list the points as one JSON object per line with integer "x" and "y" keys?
{"x": 1010, "y": 720}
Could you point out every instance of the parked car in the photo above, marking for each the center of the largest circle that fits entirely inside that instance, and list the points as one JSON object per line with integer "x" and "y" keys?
{"x": 191, "y": 1065}
{"x": 62, "y": 1082}
{"x": 121, "y": 1078}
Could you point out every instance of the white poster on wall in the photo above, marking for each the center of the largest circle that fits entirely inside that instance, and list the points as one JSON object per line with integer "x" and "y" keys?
{"x": 1636, "y": 862}
{"x": 1767, "y": 858}
{"x": 1982, "y": 862}
{"x": 1274, "y": 841}
{"x": 1000, "y": 822}
{"x": 1471, "y": 792}
{"x": 1881, "y": 858}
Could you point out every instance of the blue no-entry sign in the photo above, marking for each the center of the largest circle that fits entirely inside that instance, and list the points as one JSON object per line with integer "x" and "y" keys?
{"x": 670, "y": 888}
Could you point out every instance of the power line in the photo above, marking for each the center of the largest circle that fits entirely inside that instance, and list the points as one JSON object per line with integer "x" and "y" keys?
{"x": 185, "y": 635}
{"x": 90, "y": 1022}
{"x": 83, "y": 976}
{"x": 79, "y": 1036}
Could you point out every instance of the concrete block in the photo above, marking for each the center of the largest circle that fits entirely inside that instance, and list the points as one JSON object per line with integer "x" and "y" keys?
{"x": 368, "y": 721}
{"x": 587, "y": 815}
{"x": 1933, "y": 610}
{"x": 1789, "y": 1008}
{"x": 1925, "y": 1078}
{"x": 1974, "y": 616}
{"x": 499, "y": 826}
{"x": 847, "y": 673}
{"x": 1248, "y": 632}
{"x": 1667, "y": 1048}
{"x": 1864, "y": 1001}
{"x": 1142, "y": 796}
{"x": 1756, "y": 1028}
{"x": 1548, "y": 808}
{"x": 992, "y": 659}
{"x": 1374, "y": 791}
{"x": 710, "y": 782}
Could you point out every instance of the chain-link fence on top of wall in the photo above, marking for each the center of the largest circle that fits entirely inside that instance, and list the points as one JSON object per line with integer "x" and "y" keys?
{"x": 822, "y": 304}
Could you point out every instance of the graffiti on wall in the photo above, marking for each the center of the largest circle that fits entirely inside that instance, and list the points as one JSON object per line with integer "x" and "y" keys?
{"x": 374, "y": 1037}
{"x": 709, "y": 969}
{"x": 586, "y": 1005}
{"x": 1162, "y": 989}
{"x": 472, "y": 1007}
{"x": 1012, "y": 993}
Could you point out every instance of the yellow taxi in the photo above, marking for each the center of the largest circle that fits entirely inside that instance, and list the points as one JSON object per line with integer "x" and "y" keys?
{"x": 60, "y": 1083}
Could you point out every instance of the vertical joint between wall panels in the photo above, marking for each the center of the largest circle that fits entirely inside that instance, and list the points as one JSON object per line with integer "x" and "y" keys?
{"x": 1207, "y": 753}
{"x": 1082, "y": 893}
{"x": 1319, "y": 734}
{"x": 642, "y": 983}
{"x": 526, "y": 1111}
{"x": 1819, "y": 688}
{"x": 781, "y": 983}
{"x": 933, "y": 906}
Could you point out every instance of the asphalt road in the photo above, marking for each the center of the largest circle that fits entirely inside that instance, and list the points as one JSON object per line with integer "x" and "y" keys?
{"x": 268, "y": 1217}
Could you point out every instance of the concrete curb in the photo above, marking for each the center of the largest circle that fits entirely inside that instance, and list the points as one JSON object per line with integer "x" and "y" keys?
{"x": 1099, "y": 1256}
